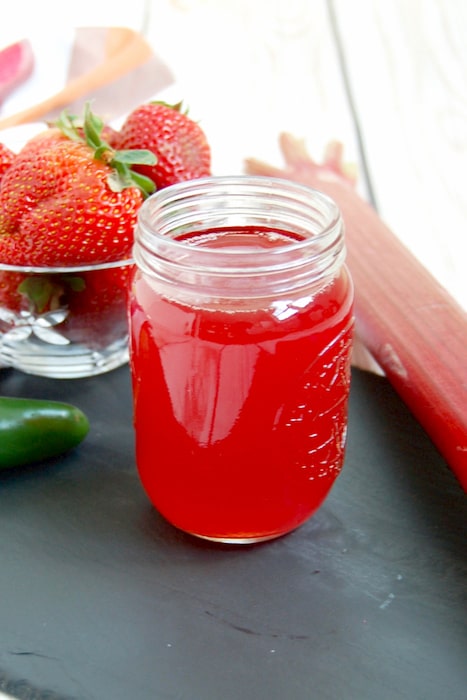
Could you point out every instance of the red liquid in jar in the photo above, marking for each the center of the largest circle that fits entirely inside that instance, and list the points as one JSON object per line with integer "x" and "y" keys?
{"x": 240, "y": 411}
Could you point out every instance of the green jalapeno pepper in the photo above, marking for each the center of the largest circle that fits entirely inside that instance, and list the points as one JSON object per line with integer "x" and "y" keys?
{"x": 33, "y": 430}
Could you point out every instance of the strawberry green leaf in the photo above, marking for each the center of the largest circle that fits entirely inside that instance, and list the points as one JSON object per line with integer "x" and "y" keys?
{"x": 93, "y": 126}
{"x": 67, "y": 125}
{"x": 122, "y": 176}
{"x": 104, "y": 153}
{"x": 178, "y": 107}
{"x": 76, "y": 284}
{"x": 145, "y": 184}
{"x": 39, "y": 290}
{"x": 48, "y": 291}
{"x": 116, "y": 182}
{"x": 135, "y": 156}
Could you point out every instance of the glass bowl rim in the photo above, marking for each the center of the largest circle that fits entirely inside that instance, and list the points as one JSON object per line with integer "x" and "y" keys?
{"x": 66, "y": 269}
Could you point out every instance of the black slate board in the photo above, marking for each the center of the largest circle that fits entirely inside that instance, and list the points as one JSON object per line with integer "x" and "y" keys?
{"x": 101, "y": 599}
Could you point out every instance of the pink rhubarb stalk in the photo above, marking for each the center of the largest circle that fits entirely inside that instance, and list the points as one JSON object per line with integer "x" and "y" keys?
{"x": 413, "y": 328}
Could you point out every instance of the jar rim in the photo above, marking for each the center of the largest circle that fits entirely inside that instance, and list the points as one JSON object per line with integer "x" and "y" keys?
{"x": 170, "y": 245}
{"x": 262, "y": 185}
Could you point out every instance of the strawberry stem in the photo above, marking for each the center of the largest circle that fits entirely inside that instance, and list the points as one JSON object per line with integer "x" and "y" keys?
{"x": 89, "y": 131}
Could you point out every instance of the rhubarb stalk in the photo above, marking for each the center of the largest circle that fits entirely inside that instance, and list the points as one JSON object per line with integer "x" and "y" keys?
{"x": 413, "y": 328}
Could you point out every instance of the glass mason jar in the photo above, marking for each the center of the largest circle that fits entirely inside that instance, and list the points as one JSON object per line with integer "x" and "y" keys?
{"x": 241, "y": 317}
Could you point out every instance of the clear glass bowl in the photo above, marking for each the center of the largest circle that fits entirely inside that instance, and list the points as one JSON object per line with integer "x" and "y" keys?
{"x": 64, "y": 322}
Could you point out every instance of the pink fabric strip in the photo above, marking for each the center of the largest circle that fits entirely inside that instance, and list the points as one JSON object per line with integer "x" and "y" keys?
{"x": 125, "y": 93}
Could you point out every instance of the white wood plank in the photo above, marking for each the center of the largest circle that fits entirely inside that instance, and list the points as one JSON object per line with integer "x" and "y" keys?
{"x": 249, "y": 70}
{"x": 21, "y": 19}
{"x": 407, "y": 62}
{"x": 252, "y": 69}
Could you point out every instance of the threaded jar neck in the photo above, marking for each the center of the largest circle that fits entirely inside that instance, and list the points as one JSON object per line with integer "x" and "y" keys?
{"x": 171, "y": 245}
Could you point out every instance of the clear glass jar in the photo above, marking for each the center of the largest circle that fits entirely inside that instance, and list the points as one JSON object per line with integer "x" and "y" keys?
{"x": 241, "y": 323}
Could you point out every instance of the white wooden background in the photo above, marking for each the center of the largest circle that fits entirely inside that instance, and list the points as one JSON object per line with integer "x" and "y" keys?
{"x": 387, "y": 77}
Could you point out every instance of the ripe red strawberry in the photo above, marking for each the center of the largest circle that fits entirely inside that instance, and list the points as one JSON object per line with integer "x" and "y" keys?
{"x": 178, "y": 142}
{"x": 10, "y": 298}
{"x": 6, "y": 224}
{"x": 6, "y": 159}
{"x": 71, "y": 202}
{"x": 97, "y": 306}
{"x": 67, "y": 199}
{"x": 77, "y": 219}
{"x": 42, "y": 140}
